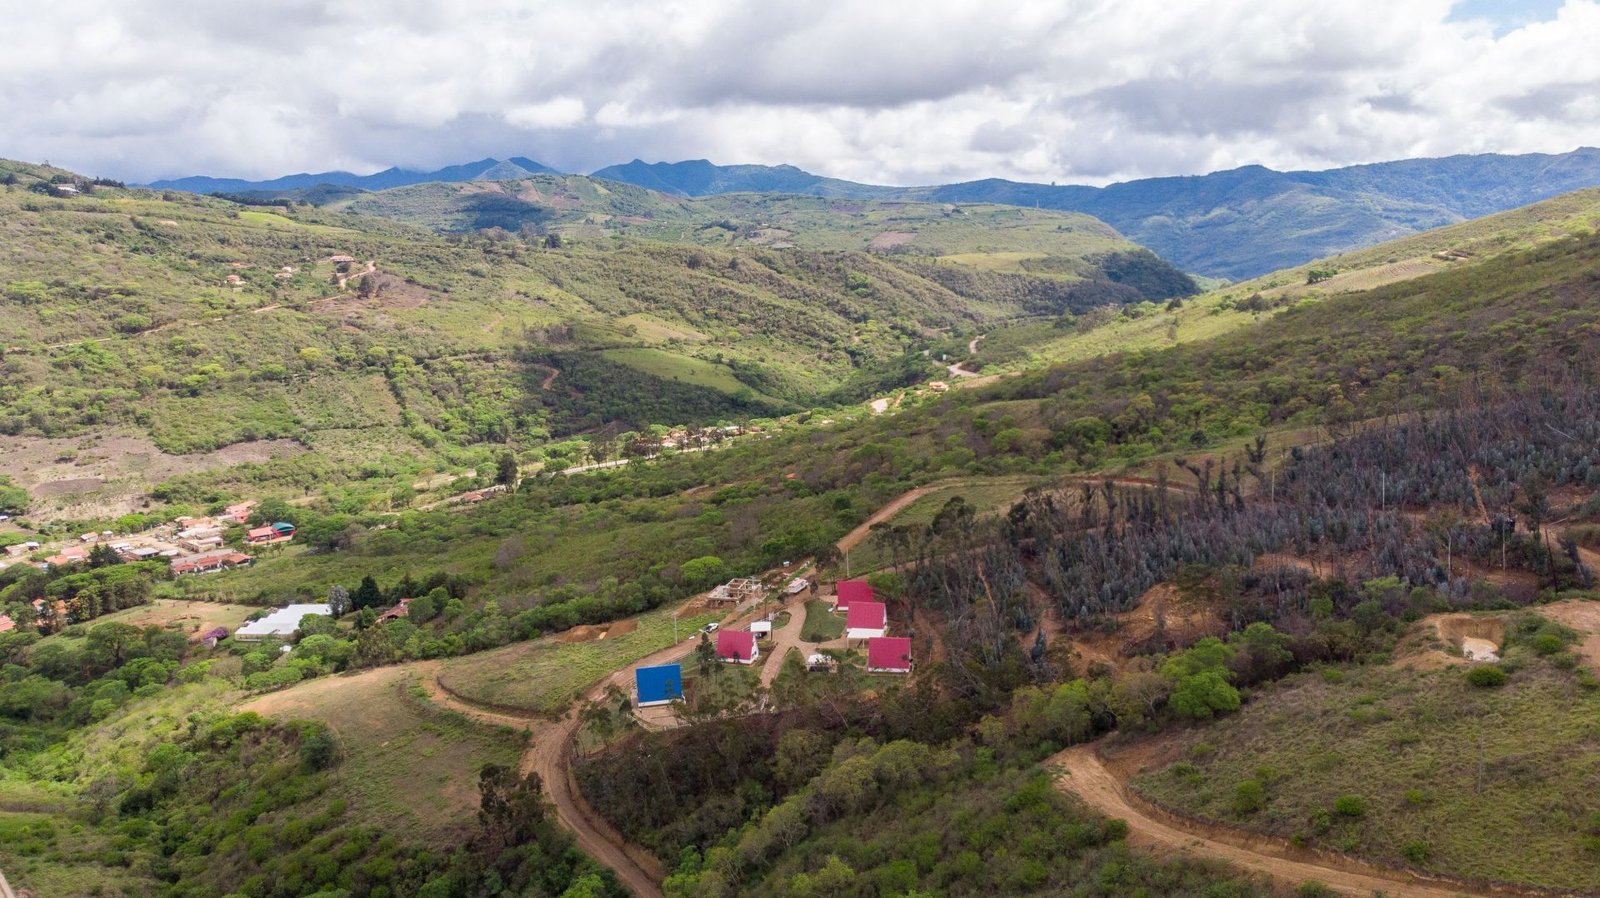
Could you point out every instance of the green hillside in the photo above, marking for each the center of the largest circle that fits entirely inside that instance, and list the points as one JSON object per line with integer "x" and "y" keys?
{"x": 1008, "y": 238}
{"x": 197, "y": 324}
{"x": 1025, "y": 345}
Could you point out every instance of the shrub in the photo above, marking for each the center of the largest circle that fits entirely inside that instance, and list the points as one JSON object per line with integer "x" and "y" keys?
{"x": 1416, "y": 797}
{"x": 1416, "y": 852}
{"x": 1349, "y": 806}
{"x": 1314, "y": 890}
{"x": 1487, "y": 676}
{"x": 1248, "y": 797}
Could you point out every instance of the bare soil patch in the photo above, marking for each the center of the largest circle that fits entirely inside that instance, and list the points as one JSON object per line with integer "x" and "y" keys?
{"x": 891, "y": 239}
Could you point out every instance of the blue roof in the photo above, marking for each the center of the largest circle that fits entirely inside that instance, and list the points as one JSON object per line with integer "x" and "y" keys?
{"x": 661, "y": 683}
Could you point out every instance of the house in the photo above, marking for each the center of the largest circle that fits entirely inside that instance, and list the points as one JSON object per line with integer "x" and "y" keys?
{"x": 866, "y": 620}
{"x": 280, "y": 532}
{"x": 851, "y": 591}
{"x": 762, "y": 629}
{"x": 234, "y": 280}
{"x": 341, "y": 260}
{"x": 658, "y": 685}
{"x": 208, "y": 562}
{"x": 738, "y": 646}
{"x": 68, "y": 555}
{"x": 7, "y": 624}
{"x": 397, "y": 612}
{"x": 200, "y": 543}
{"x": 140, "y": 553}
{"x": 240, "y": 512}
{"x": 889, "y": 654}
{"x": 200, "y": 531}
{"x": 213, "y": 636}
{"x": 280, "y": 623}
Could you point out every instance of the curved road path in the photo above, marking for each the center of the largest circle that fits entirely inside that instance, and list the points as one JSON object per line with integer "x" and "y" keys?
{"x": 1090, "y": 779}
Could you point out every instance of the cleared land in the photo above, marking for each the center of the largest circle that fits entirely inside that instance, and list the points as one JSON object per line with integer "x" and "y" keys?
{"x": 821, "y": 624}
{"x": 406, "y": 763}
{"x": 1441, "y": 771}
{"x": 545, "y": 675}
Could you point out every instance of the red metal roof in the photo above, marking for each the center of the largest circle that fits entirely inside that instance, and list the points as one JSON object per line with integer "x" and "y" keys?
{"x": 261, "y": 533}
{"x": 866, "y": 616}
{"x": 853, "y": 591}
{"x": 738, "y": 645}
{"x": 889, "y": 653}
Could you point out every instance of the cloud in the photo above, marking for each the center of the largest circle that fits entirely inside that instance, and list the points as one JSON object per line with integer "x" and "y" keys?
{"x": 888, "y": 92}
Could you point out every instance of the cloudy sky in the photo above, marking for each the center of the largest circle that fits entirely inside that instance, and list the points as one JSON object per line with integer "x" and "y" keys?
{"x": 892, "y": 91}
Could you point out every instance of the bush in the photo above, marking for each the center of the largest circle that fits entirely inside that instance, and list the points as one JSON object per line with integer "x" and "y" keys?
{"x": 1349, "y": 806}
{"x": 1416, "y": 852}
{"x": 1487, "y": 676}
{"x": 1314, "y": 890}
{"x": 1248, "y": 797}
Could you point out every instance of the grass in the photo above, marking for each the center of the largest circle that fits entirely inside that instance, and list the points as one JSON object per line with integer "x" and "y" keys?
{"x": 696, "y": 372}
{"x": 189, "y": 617}
{"x": 990, "y": 495}
{"x": 821, "y": 623}
{"x": 48, "y": 854}
{"x": 1413, "y": 749}
{"x": 408, "y": 766}
{"x": 546, "y": 675}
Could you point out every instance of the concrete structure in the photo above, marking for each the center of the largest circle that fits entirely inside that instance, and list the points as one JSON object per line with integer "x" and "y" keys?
{"x": 762, "y": 629}
{"x": 658, "y": 685}
{"x": 738, "y": 646}
{"x": 866, "y": 620}
{"x": 889, "y": 654}
{"x": 737, "y": 590}
{"x": 280, "y": 623}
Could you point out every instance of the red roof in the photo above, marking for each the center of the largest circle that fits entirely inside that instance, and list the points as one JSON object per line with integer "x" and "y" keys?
{"x": 736, "y": 645}
{"x": 262, "y": 533}
{"x": 889, "y": 653}
{"x": 6, "y": 623}
{"x": 867, "y": 616}
{"x": 853, "y": 591}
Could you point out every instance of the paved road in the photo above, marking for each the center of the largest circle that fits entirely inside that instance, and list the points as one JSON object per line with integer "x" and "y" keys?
{"x": 1090, "y": 779}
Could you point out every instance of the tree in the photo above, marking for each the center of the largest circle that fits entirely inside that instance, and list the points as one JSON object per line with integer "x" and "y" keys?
{"x": 339, "y": 600}
{"x": 510, "y": 808}
{"x": 506, "y": 471}
{"x": 699, "y": 573}
{"x": 114, "y": 643}
{"x": 103, "y": 555}
{"x": 367, "y": 595}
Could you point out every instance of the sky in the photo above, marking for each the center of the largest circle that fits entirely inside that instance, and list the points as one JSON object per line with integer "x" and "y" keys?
{"x": 889, "y": 92}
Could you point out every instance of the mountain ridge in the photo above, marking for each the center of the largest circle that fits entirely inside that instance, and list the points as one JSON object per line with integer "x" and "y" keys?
{"x": 1234, "y": 224}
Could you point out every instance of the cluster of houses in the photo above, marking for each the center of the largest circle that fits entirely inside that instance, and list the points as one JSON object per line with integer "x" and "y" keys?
{"x": 192, "y": 545}
{"x": 866, "y": 618}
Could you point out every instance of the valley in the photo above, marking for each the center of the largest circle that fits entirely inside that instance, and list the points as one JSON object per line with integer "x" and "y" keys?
{"x": 1170, "y": 543}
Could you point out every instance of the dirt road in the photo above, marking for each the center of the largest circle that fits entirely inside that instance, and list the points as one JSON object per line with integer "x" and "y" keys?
{"x": 549, "y": 755}
{"x": 895, "y": 506}
{"x": 1090, "y": 779}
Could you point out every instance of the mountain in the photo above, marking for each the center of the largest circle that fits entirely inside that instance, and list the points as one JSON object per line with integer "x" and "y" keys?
{"x": 699, "y": 177}
{"x": 515, "y": 167}
{"x": 1232, "y": 224}
{"x": 1048, "y": 243}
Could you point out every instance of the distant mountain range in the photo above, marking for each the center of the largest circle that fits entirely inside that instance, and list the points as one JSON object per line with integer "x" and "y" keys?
{"x": 482, "y": 170}
{"x": 1233, "y": 224}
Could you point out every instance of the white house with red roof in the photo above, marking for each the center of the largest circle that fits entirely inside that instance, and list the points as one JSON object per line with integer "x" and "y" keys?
{"x": 851, "y": 591}
{"x": 889, "y": 654}
{"x": 866, "y": 620}
{"x": 738, "y": 646}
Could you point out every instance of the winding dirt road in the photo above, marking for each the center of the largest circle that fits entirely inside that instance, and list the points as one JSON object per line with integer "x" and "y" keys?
{"x": 1088, "y": 777}
{"x": 896, "y": 505}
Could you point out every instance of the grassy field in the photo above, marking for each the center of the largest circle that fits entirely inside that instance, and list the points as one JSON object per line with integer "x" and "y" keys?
{"x": 48, "y": 853}
{"x": 821, "y": 623}
{"x": 407, "y": 764}
{"x": 545, "y": 675}
{"x": 666, "y": 365}
{"x": 187, "y": 617}
{"x": 1442, "y": 772}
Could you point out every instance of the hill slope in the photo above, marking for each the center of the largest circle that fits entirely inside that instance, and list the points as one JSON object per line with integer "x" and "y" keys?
{"x": 515, "y": 167}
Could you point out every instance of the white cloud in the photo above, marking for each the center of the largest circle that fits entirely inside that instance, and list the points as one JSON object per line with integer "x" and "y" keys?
{"x": 893, "y": 92}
